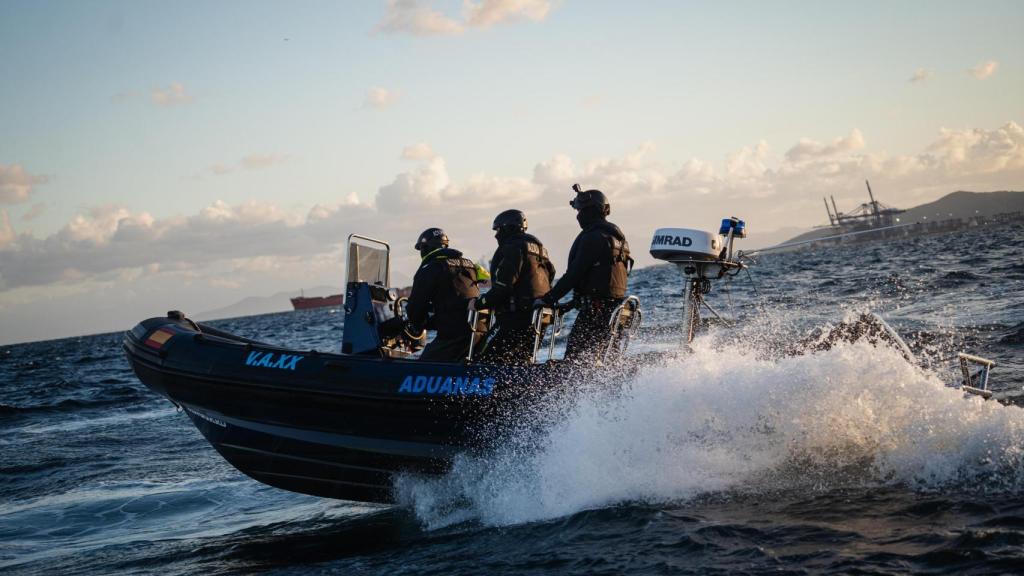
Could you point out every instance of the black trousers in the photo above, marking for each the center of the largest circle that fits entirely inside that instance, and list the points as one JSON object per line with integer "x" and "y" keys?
{"x": 512, "y": 341}
{"x": 590, "y": 333}
{"x": 446, "y": 348}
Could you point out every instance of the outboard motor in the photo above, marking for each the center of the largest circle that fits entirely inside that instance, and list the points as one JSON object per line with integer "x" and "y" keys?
{"x": 701, "y": 257}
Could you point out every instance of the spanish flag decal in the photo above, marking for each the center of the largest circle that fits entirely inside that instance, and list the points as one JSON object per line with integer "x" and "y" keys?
{"x": 159, "y": 338}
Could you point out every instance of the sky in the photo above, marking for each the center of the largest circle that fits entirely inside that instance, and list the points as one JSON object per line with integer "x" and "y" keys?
{"x": 185, "y": 155}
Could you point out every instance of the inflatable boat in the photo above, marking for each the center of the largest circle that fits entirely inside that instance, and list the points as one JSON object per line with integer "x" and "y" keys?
{"x": 340, "y": 425}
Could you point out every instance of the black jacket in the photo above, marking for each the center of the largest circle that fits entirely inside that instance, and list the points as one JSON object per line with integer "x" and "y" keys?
{"x": 520, "y": 272}
{"x": 599, "y": 264}
{"x": 443, "y": 285}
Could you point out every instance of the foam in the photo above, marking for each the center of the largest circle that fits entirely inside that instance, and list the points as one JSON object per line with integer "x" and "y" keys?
{"x": 728, "y": 419}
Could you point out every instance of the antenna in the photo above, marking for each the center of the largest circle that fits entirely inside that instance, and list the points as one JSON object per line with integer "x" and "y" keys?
{"x": 830, "y": 220}
{"x": 836, "y": 210}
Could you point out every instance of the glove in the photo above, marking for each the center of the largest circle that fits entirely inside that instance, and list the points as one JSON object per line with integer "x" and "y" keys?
{"x": 540, "y": 303}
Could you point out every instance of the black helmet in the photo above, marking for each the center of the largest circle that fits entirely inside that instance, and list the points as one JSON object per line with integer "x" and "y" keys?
{"x": 514, "y": 219}
{"x": 432, "y": 239}
{"x": 590, "y": 199}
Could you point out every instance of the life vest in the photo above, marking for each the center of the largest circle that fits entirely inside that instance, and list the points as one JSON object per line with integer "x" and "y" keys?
{"x": 608, "y": 276}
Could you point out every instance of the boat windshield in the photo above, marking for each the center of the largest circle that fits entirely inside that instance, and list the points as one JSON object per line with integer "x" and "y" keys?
{"x": 368, "y": 260}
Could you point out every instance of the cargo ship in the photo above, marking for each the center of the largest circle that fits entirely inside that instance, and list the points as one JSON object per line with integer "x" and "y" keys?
{"x": 304, "y": 303}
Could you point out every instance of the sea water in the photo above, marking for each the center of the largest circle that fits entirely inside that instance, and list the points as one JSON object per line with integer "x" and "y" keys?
{"x": 738, "y": 457}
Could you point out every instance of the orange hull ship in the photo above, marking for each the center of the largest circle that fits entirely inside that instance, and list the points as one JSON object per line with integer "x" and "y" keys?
{"x": 304, "y": 303}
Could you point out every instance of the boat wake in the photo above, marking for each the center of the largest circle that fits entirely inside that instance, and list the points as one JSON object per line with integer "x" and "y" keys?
{"x": 727, "y": 420}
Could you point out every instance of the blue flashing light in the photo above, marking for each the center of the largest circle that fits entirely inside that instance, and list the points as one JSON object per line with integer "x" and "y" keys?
{"x": 738, "y": 227}
{"x": 741, "y": 229}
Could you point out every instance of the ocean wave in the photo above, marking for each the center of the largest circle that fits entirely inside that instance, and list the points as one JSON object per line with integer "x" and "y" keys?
{"x": 73, "y": 404}
{"x": 724, "y": 420}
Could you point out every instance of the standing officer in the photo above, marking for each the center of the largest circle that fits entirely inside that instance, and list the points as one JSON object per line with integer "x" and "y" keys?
{"x": 599, "y": 265}
{"x": 441, "y": 289}
{"x": 520, "y": 273}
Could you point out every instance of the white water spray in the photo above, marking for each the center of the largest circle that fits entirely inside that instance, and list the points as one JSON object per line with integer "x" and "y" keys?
{"x": 723, "y": 419}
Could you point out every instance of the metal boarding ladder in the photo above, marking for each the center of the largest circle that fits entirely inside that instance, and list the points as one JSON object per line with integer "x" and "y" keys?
{"x": 976, "y": 383}
{"x": 475, "y": 317}
{"x": 542, "y": 319}
{"x": 624, "y": 323}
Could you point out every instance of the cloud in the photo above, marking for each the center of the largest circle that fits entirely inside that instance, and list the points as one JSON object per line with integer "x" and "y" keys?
{"x": 984, "y": 69}
{"x": 6, "y": 231}
{"x": 415, "y": 190}
{"x": 976, "y": 150}
{"x": 221, "y": 169}
{"x": 420, "y": 18}
{"x": 920, "y": 76}
{"x": 107, "y": 239}
{"x": 808, "y": 150}
{"x": 261, "y": 161}
{"x": 171, "y": 95}
{"x": 768, "y": 189}
{"x": 34, "y": 212}
{"x": 16, "y": 184}
{"x": 420, "y": 151}
{"x": 250, "y": 162}
{"x": 378, "y": 98}
{"x": 487, "y": 13}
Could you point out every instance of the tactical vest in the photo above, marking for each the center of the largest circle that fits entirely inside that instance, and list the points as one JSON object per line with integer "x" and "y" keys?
{"x": 456, "y": 285}
{"x": 534, "y": 276}
{"x": 609, "y": 275}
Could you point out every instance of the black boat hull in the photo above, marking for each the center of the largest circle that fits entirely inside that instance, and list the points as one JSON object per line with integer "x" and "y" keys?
{"x": 331, "y": 425}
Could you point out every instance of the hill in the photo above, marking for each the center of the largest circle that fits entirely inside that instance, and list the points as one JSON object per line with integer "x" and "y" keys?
{"x": 280, "y": 302}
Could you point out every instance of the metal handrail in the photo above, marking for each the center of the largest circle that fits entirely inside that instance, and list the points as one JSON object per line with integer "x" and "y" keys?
{"x": 615, "y": 325}
{"x": 539, "y": 328}
{"x": 473, "y": 317}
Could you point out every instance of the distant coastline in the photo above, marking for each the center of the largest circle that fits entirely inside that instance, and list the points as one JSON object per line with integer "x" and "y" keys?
{"x": 954, "y": 211}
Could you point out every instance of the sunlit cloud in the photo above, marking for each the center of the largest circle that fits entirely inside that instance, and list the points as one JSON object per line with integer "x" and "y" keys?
{"x": 486, "y": 13}
{"x": 171, "y": 95}
{"x": 420, "y": 151}
{"x": 417, "y": 17}
{"x": 778, "y": 188}
{"x": 984, "y": 69}
{"x": 16, "y": 183}
{"x": 809, "y": 150}
{"x": 920, "y": 76}
{"x": 421, "y": 18}
{"x": 378, "y": 98}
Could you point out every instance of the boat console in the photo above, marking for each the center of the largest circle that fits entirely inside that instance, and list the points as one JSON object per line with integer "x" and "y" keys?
{"x": 372, "y": 309}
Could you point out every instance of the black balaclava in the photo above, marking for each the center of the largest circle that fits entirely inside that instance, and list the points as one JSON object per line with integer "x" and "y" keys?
{"x": 504, "y": 232}
{"x": 589, "y": 215}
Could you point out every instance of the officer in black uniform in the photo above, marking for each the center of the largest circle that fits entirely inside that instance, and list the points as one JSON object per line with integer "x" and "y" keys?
{"x": 520, "y": 273}
{"x": 442, "y": 288}
{"x": 599, "y": 264}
